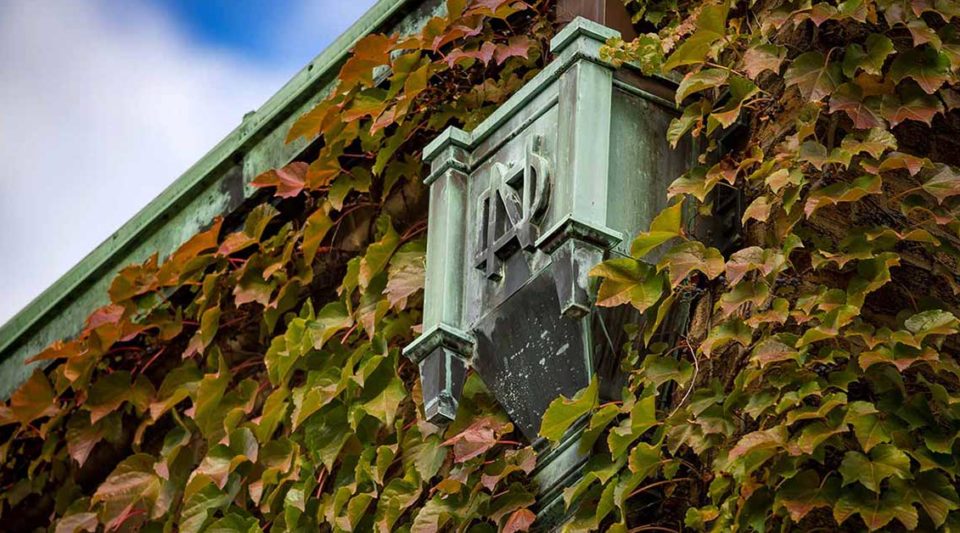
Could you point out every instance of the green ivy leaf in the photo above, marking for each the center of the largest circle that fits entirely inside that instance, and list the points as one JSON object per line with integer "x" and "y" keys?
{"x": 837, "y": 193}
{"x": 928, "y": 67}
{"x": 665, "y": 226}
{"x": 626, "y": 280}
{"x": 876, "y": 510}
{"x": 643, "y": 416}
{"x": 805, "y": 492}
{"x": 563, "y": 412}
{"x": 711, "y": 27}
{"x": 384, "y": 405}
{"x": 867, "y": 425}
{"x": 934, "y": 492}
{"x": 885, "y": 461}
{"x": 871, "y": 60}
{"x": 695, "y": 82}
{"x": 111, "y": 391}
{"x": 944, "y": 184}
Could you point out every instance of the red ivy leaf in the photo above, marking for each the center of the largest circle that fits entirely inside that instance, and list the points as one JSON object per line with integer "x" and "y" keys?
{"x": 864, "y": 112}
{"x": 484, "y": 54}
{"x": 814, "y": 75}
{"x": 518, "y": 46}
{"x": 520, "y": 520}
{"x": 912, "y": 104}
{"x": 477, "y": 438}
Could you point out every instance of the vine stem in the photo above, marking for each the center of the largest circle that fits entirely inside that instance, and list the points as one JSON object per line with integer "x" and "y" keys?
{"x": 693, "y": 378}
{"x": 152, "y": 359}
{"x": 657, "y": 484}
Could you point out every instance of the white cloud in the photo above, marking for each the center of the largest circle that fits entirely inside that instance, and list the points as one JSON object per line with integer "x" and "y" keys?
{"x": 99, "y": 111}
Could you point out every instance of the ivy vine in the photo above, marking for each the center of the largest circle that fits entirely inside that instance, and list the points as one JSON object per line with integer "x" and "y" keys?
{"x": 817, "y": 386}
{"x": 251, "y": 381}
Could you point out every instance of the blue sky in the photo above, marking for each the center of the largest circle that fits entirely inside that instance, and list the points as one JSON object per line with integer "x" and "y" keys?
{"x": 104, "y": 103}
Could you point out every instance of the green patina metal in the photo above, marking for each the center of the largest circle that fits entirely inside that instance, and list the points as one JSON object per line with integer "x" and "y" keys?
{"x": 521, "y": 208}
{"x": 218, "y": 184}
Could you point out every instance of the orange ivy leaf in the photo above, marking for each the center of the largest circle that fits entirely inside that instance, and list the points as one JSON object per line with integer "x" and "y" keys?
{"x": 288, "y": 180}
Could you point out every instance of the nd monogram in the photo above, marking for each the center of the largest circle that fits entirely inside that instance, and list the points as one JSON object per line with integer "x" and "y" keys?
{"x": 510, "y": 207}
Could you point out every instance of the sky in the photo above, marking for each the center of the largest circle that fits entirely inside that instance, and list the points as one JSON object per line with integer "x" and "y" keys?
{"x": 104, "y": 103}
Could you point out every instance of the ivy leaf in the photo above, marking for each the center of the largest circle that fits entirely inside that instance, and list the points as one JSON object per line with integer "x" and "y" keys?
{"x": 626, "y": 280}
{"x": 325, "y": 433}
{"x": 111, "y": 391}
{"x": 330, "y": 320}
{"x": 314, "y": 231}
{"x": 741, "y": 90}
{"x": 934, "y": 492}
{"x": 201, "y": 498}
{"x": 815, "y": 434}
{"x": 385, "y": 404}
{"x": 767, "y": 439}
{"x": 944, "y": 183}
{"x": 477, "y": 438}
{"x": 658, "y": 370}
{"x": 133, "y": 481}
{"x": 871, "y": 60}
{"x": 289, "y": 180}
{"x": 665, "y": 226}
{"x": 711, "y": 27}
{"x": 886, "y": 460}
{"x": 772, "y": 350}
{"x": 517, "y": 46}
{"x": 865, "y": 112}
{"x": 911, "y": 104}
{"x": 876, "y": 510}
{"x": 875, "y": 142}
{"x": 733, "y": 330}
{"x": 741, "y": 262}
{"x": 378, "y": 253}
{"x": 82, "y": 436}
{"x": 519, "y": 520}
{"x": 642, "y": 417}
{"x": 932, "y": 322}
{"x": 406, "y": 274}
{"x": 814, "y": 75}
{"x": 867, "y": 425}
{"x": 34, "y": 399}
{"x": 804, "y": 492}
{"x": 397, "y": 496}
{"x": 208, "y": 399}
{"x": 563, "y": 412}
{"x": 928, "y": 67}
{"x": 689, "y": 256}
{"x": 695, "y": 82}
{"x": 692, "y": 115}
{"x": 745, "y": 292}
{"x": 842, "y": 192}
{"x": 75, "y": 522}
{"x": 759, "y": 210}
{"x": 763, "y": 57}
